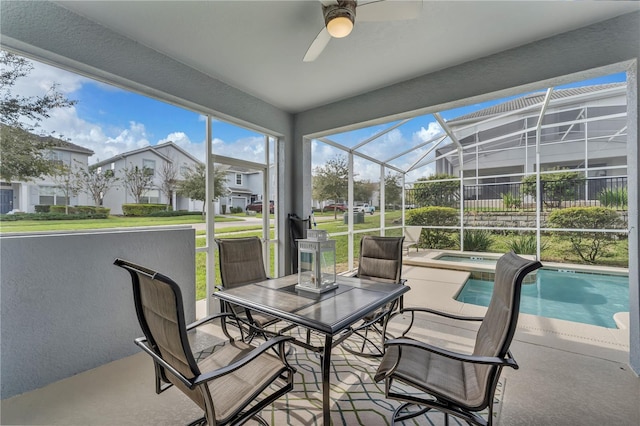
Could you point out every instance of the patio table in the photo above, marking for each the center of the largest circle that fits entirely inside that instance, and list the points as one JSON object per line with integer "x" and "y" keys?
{"x": 331, "y": 314}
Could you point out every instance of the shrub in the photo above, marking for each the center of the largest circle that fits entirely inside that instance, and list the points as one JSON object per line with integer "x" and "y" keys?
{"x": 435, "y": 216}
{"x": 63, "y": 209}
{"x": 588, "y": 245}
{"x": 556, "y": 187}
{"x": 525, "y": 244}
{"x": 233, "y": 210}
{"x": 142, "y": 209}
{"x": 477, "y": 240}
{"x": 510, "y": 201}
{"x": 53, "y": 216}
{"x": 42, "y": 208}
{"x": 614, "y": 197}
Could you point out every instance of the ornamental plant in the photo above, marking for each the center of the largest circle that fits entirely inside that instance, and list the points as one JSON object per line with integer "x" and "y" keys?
{"x": 555, "y": 187}
{"x": 589, "y": 245}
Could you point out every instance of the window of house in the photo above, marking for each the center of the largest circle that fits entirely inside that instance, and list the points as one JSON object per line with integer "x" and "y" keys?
{"x": 149, "y": 166}
{"x": 238, "y": 178}
{"x": 59, "y": 157}
{"x": 51, "y": 196}
{"x": 151, "y": 196}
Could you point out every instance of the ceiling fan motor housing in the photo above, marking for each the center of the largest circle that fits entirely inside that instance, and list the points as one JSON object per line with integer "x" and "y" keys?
{"x": 344, "y": 9}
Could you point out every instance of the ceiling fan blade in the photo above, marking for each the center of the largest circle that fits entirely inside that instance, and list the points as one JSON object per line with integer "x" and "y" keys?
{"x": 381, "y": 10}
{"x": 318, "y": 45}
{"x": 329, "y": 2}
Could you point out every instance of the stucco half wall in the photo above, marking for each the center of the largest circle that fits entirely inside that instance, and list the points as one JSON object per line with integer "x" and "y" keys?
{"x": 65, "y": 308}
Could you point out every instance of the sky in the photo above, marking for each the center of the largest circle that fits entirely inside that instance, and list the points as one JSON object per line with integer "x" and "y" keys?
{"x": 110, "y": 121}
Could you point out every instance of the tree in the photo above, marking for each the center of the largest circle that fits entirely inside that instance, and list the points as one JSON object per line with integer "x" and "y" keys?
{"x": 194, "y": 183}
{"x": 137, "y": 180}
{"x": 23, "y": 154}
{"x": 363, "y": 190}
{"x": 443, "y": 194}
{"x": 331, "y": 180}
{"x": 168, "y": 180}
{"x": 69, "y": 180}
{"x": 96, "y": 183}
{"x": 392, "y": 189}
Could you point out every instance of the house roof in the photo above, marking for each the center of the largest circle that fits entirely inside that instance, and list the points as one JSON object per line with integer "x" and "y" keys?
{"x": 151, "y": 148}
{"x": 58, "y": 143}
{"x": 532, "y": 99}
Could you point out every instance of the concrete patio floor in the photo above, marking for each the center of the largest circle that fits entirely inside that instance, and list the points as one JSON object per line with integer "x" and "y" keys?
{"x": 570, "y": 374}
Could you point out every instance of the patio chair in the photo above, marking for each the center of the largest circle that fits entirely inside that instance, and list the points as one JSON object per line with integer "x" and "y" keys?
{"x": 380, "y": 260}
{"x": 241, "y": 263}
{"x": 458, "y": 384}
{"x": 233, "y": 383}
{"x": 411, "y": 237}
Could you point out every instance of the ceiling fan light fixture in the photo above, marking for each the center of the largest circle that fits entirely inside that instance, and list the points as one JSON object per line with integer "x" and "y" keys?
{"x": 339, "y": 19}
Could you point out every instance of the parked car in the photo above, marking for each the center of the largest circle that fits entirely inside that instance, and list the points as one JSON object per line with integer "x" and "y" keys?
{"x": 341, "y": 207}
{"x": 364, "y": 208}
{"x": 256, "y": 206}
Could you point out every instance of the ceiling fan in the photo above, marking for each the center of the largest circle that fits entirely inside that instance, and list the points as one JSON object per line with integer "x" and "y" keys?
{"x": 340, "y": 17}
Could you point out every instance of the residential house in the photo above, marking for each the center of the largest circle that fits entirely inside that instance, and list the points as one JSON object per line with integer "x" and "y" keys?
{"x": 25, "y": 196}
{"x": 153, "y": 158}
{"x": 582, "y": 128}
{"x": 244, "y": 186}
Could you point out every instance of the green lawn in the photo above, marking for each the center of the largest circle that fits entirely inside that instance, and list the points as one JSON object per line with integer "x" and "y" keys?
{"x": 111, "y": 222}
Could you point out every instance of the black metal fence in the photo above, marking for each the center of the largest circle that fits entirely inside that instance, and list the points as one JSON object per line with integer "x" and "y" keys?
{"x": 608, "y": 192}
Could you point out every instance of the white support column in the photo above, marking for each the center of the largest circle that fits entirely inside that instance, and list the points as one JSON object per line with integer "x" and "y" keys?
{"x": 633, "y": 166}
{"x": 350, "y": 210}
{"x": 543, "y": 109}
{"x": 210, "y": 222}
{"x": 381, "y": 198}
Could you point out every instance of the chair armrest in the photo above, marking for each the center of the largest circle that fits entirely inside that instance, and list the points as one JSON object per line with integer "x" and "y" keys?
{"x": 280, "y": 340}
{"x": 206, "y": 320}
{"x": 442, "y": 314}
{"x": 491, "y": 360}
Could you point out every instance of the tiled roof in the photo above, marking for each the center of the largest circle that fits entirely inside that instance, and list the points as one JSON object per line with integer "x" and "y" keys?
{"x": 533, "y": 99}
{"x": 68, "y": 146}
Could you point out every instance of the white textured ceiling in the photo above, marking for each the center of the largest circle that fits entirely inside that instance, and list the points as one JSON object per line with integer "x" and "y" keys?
{"x": 258, "y": 46}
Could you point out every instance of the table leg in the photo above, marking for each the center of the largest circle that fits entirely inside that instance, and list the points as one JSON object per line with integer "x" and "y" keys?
{"x": 326, "y": 387}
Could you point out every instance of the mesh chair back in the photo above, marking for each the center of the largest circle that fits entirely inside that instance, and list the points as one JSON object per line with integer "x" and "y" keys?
{"x": 499, "y": 324}
{"x": 381, "y": 258}
{"x": 240, "y": 261}
{"x": 158, "y": 303}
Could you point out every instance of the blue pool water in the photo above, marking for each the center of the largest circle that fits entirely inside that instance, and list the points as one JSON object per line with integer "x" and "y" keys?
{"x": 573, "y": 296}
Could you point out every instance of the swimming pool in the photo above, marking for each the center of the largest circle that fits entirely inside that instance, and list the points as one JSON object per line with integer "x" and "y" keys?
{"x": 568, "y": 295}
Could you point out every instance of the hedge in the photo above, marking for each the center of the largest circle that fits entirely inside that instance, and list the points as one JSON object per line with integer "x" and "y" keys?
{"x": 143, "y": 209}
{"x": 51, "y": 216}
{"x": 87, "y": 210}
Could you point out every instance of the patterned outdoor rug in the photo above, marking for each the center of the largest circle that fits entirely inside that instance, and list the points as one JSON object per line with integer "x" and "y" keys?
{"x": 355, "y": 398}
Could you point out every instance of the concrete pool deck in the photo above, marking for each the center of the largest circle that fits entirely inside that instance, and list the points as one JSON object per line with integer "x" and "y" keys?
{"x": 435, "y": 287}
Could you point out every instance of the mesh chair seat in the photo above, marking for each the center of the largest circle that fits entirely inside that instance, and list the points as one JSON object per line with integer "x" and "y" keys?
{"x": 447, "y": 377}
{"x": 230, "y": 392}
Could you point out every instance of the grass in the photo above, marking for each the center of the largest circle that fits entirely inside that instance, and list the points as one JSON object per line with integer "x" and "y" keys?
{"x": 111, "y": 222}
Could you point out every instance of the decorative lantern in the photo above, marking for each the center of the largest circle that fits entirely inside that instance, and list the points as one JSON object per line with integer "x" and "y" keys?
{"x": 316, "y": 262}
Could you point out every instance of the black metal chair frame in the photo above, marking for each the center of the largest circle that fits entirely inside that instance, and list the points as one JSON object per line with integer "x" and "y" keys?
{"x": 442, "y": 402}
{"x": 162, "y": 368}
